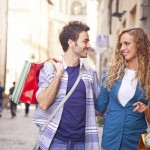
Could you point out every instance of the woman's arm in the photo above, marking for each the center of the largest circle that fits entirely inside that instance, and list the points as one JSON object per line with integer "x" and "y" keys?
{"x": 103, "y": 98}
{"x": 102, "y": 101}
{"x": 147, "y": 115}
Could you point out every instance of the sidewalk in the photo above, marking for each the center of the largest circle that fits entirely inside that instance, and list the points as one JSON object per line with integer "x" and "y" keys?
{"x": 18, "y": 133}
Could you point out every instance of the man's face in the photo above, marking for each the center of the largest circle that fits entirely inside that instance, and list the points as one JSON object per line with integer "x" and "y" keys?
{"x": 82, "y": 45}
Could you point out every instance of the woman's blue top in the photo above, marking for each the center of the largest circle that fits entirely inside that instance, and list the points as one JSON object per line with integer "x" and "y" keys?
{"x": 122, "y": 126}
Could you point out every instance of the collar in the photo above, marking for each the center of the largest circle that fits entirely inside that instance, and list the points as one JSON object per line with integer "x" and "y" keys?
{"x": 65, "y": 65}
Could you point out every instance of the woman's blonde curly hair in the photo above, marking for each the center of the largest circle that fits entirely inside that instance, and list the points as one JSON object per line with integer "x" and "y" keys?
{"x": 118, "y": 64}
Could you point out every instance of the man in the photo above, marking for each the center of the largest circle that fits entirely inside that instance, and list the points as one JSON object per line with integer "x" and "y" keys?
{"x": 74, "y": 126}
{"x": 1, "y": 98}
{"x": 13, "y": 106}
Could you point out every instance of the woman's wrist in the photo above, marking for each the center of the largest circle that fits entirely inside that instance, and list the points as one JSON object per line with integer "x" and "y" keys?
{"x": 147, "y": 110}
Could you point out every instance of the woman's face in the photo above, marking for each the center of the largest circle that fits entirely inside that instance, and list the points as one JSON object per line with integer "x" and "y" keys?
{"x": 128, "y": 47}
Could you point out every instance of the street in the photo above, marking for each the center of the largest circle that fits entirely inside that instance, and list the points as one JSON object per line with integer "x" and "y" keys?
{"x": 19, "y": 133}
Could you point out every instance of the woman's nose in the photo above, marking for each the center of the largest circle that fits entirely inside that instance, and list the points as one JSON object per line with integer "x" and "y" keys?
{"x": 122, "y": 47}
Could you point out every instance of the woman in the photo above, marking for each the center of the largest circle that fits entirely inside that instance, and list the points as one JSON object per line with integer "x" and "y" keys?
{"x": 125, "y": 92}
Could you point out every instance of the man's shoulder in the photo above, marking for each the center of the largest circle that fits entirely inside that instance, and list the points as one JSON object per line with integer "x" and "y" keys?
{"x": 48, "y": 66}
{"x": 88, "y": 68}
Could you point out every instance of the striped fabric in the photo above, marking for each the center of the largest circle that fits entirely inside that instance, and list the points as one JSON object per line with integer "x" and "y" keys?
{"x": 92, "y": 91}
{"x": 19, "y": 85}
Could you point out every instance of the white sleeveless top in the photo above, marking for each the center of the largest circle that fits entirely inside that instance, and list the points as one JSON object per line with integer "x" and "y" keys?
{"x": 128, "y": 87}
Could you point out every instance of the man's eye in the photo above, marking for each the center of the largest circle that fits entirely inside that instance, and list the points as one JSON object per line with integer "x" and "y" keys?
{"x": 85, "y": 42}
{"x": 126, "y": 43}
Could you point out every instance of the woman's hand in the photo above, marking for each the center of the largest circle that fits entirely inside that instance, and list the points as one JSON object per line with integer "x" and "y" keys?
{"x": 140, "y": 107}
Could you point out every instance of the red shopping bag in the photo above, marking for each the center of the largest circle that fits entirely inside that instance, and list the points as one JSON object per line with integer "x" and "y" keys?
{"x": 30, "y": 86}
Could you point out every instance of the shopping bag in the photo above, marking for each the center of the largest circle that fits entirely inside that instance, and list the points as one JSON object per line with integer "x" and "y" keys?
{"x": 147, "y": 138}
{"x": 31, "y": 84}
{"x": 100, "y": 121}
{"x": 141, "y": 145}
{"x": 27, "y": 84}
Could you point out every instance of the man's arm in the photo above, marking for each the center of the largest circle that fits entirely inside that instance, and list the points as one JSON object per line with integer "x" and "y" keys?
{"x": 47, "y": 96}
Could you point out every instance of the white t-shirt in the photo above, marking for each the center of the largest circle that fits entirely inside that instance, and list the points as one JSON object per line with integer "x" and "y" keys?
{"x": 128, "y": 87}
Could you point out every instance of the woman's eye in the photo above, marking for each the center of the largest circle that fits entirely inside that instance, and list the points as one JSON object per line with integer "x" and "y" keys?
{"x": 120, "y": 45}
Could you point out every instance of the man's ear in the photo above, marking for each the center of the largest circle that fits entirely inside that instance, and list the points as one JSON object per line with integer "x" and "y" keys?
{"x": 70, "y": 43}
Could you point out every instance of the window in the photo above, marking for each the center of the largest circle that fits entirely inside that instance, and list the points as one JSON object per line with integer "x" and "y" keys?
{"x": 76, "y": 8}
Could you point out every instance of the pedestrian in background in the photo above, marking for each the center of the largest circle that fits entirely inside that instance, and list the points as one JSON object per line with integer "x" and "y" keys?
{"x": 27, "y": 106}
{"x": 74, "y": 126}
{"x": 2, "y": 89}
{"x": 125, "y": 92}
{"x": 13, "y": 106}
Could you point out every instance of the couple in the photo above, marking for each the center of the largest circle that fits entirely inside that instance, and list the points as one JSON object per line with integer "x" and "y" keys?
{"x": 74, "y": 126}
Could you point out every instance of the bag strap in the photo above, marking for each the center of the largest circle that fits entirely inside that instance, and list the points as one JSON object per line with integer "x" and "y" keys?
{"x": 63, "y": 101}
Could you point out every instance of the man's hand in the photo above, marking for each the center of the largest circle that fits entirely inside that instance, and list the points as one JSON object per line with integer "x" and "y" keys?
{"x": 58, "y": 65}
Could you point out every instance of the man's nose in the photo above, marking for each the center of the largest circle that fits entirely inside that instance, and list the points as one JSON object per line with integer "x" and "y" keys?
{"x": 89, "y": 45}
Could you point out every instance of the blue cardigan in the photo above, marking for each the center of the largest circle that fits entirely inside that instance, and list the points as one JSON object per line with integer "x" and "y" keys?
{"x": 122, "y": 127}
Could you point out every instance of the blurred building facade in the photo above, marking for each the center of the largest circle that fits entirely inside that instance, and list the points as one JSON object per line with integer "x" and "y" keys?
{"x": 3, "y": 40}
{"x": 31, "y": 31}
{"x": 60, "y": 13}
{"x": 65, "y": 10}
{"x": 115, "y": 15}
{"x": 23, "y": 36}
{"x": 27, "y": 36}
